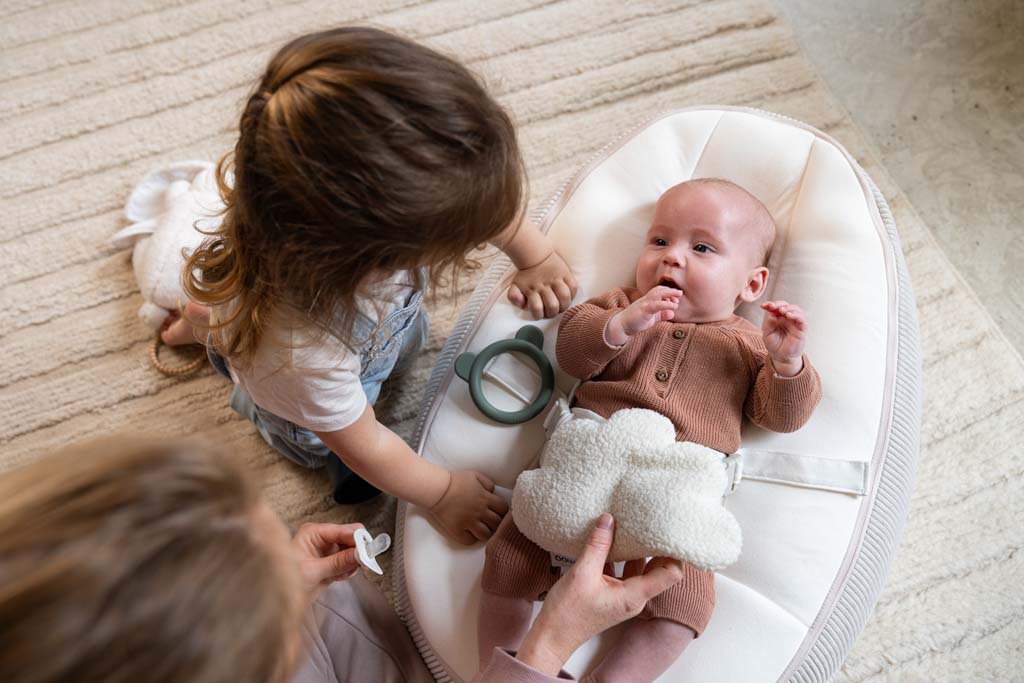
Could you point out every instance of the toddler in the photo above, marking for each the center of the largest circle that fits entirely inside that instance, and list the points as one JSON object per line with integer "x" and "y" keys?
{"x": 673, "y": 345}
{"x": 366, "y": 167}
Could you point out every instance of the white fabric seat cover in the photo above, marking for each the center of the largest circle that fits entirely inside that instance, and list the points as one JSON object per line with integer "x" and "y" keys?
{"x": 816, "y": 547}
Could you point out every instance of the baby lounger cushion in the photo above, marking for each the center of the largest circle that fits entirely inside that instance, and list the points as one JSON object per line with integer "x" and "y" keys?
{"x": 820, "y": 509}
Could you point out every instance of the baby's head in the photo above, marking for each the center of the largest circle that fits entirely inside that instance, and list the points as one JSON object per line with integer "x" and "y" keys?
{"x": 709, "y": 238}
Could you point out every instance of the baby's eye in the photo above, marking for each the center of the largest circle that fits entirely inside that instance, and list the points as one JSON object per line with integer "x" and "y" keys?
{"x": 659, "y": 242}
{"x": 702, "y": 249}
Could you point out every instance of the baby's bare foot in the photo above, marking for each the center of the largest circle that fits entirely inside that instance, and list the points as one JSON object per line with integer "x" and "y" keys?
{"x": 190, "y": 328}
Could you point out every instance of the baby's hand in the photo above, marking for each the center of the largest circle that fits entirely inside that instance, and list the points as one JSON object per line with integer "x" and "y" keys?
{"x": 546, "y": 289}
{"x": 660, "y": 303}
{"x": 469, "y": 510}
{"x": 784, "y": 330}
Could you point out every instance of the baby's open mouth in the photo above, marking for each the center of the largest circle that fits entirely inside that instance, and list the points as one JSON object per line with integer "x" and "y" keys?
{"x": 666, "y": 282}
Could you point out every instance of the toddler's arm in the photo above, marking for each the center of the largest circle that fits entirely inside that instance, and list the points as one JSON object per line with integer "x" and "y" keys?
{"x": 544, "y": 284}
{"x": 463, "y": 502}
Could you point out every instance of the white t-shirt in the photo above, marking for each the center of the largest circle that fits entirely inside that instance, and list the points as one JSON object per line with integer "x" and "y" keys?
{"x": 311, "y": 378}
{"x": 313, "y": 382}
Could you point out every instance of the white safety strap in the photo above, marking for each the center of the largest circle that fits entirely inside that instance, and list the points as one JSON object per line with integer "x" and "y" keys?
{"x": 517, "y": 378}
{"x": 843, "y": 476}
{"x": 807, "y": 471}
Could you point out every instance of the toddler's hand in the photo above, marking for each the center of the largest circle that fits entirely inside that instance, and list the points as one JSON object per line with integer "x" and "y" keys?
{"x": 546, "y": 289}
{"x": 784, "y": 331}
{"x": 660, "y": 303}
{"x": 469, "y": 510}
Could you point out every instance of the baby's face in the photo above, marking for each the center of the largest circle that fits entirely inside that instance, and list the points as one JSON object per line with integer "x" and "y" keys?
{"x": 700, "y": 242}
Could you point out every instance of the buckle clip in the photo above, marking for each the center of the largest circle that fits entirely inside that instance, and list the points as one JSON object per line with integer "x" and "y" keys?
{"x": 733, "y": 473}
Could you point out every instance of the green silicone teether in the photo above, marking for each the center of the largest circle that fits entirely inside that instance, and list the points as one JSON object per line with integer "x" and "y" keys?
{"x": 529, "y": 340}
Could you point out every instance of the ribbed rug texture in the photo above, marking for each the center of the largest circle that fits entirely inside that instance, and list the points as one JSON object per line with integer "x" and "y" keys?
{"x": 95, "y": 94}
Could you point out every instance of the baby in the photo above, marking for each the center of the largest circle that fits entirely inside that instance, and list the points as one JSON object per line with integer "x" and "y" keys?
{"x": 673, "y": 345}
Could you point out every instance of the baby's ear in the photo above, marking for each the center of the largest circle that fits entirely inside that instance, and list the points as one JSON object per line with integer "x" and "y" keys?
{"x": 757, "y": 283}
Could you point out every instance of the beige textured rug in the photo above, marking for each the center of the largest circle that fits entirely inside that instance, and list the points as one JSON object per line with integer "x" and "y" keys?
{"x": 94, "y": 94}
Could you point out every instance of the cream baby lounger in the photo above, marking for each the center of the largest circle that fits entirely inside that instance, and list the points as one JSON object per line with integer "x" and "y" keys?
{"x": 821, "y": 509}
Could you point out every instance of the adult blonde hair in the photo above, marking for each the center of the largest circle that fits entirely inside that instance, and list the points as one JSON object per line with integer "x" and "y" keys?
{"x": 126, "y": 560}
{"x": 360, "y": 153}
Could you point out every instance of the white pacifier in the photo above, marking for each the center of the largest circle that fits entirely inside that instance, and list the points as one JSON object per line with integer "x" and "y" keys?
{"x": 368, "y": 548}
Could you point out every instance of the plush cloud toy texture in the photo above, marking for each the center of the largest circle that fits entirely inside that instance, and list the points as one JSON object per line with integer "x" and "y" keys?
{"x": 666, "y": 496}
{"x": 165, "y": 208}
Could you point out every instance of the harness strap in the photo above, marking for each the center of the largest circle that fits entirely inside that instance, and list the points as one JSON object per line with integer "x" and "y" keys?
{"x": 777, "y": 467}
{"x": 806, "y": 471}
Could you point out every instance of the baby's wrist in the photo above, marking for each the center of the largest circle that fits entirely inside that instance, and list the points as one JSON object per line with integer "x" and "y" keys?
{"x": 615, "y": 334}
{"x": 789, "y": 366}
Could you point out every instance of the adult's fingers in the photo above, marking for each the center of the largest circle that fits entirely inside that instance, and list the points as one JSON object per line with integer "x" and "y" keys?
{"x": 346, "y": 576}
{"x": 654, "y": 581}
{"x": 340, "y": 534}
{"x": 633, "y": 568}
{"x": 599, "y": 544}
{"x": 339, "y": 564}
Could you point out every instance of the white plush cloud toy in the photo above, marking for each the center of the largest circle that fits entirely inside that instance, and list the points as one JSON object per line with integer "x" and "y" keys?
{"x": 165, "y": 208}
{"x": 666, "y": 496}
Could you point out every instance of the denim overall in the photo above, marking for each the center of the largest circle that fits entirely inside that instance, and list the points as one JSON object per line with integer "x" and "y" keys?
{"x": 389, "y": 344}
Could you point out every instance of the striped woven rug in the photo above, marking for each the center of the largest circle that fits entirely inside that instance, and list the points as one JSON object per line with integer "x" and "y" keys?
{"x": 94, "y": 94}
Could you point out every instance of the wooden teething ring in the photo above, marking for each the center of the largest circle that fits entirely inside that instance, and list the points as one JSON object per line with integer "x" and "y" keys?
{"x": 183, "y": 371}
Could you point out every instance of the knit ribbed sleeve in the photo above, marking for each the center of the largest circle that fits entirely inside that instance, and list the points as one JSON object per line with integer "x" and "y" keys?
{"x": 581, "y": 348}
{"x": 783, "y": 404}
{"x": 702, "y": 376}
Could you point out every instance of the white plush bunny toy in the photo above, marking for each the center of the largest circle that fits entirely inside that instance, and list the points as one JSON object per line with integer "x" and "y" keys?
{"x": 168, "y": 209}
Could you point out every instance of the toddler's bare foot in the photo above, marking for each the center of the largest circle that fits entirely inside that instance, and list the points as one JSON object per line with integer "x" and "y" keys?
{"x": 188, "y": 328}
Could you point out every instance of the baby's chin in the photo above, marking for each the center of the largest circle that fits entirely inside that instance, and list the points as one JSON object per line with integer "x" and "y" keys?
{"x": 682, "y": 316}
{"x": 685, "y": 315}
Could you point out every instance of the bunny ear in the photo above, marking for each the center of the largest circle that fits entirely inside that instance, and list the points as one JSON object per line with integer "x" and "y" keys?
{"x": 147, "y": 199}
{"x": 126, "y": 237}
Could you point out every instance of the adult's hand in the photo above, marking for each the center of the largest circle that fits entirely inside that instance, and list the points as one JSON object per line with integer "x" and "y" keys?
{"x": 325, "y": 553}
{"x": 586, "y": 601}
